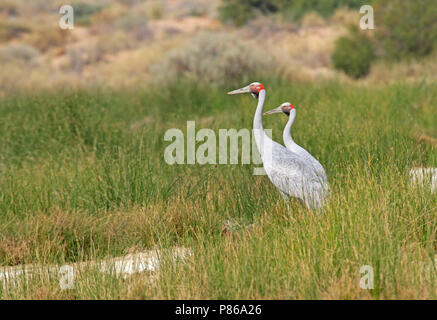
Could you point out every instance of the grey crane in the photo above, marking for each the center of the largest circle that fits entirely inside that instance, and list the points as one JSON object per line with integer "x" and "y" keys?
{"x": 289, "y": 110}
{"x": 290, "y": 172}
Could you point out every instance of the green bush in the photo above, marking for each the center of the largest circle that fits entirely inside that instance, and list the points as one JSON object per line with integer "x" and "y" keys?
{"x": 240, "y": 11}
{"x": 296, "y": 9}
{"x": 353, "y": 54}
{"x": 406, "y": 28}
{"x": 83, "y": 12}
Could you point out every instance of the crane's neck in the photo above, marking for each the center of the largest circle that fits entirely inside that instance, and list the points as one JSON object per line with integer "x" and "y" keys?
{"x": 257, "y": 120}
{"x": 288, "y": 140}
{"x": 286, "y": 135}
{"x": 261, "y": 138}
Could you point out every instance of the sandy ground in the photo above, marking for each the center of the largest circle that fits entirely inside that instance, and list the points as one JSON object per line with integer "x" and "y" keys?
{"x": 124, "y": 266}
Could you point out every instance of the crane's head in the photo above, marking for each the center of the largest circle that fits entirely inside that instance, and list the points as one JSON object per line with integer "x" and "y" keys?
{"x": 286, "y": 108}
{"x": 254, "y": 89}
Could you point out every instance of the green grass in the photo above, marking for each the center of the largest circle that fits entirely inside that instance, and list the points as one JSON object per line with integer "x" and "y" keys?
{"x": 83, "y": 177}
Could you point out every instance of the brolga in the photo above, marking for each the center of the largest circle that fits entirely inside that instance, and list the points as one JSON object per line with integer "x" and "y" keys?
{"x": 289, "y": 110}
{"x": 290, "y": 172}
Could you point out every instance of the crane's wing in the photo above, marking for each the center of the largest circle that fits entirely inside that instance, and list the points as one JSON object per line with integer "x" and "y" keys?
{"x": 294, "y": 176}
{"x": 308, "y": 157}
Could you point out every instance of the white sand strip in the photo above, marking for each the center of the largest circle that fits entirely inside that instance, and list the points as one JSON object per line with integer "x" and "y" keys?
{"x": 120, "y": 266}
{"x": 424, "y": 177}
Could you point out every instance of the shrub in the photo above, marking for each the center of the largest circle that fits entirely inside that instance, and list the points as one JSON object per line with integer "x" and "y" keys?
{"x": 79, "y": 57}
{"x": 157, "y": 11}
{"x": 83, "y": 12}
{"x": 197, "y": 12}
{"x": 298, "y": 8}
{"x": 240, "y": 11}
{"x": 129, "y": 3}
{"x": 153, "y": 9}
{"x": 10, "y": 31}
{"x": 48, "y": 37}
{"x": 109, "y": 14}
{"x": 312, "y": 19}
{"x": 82, "y": 55}
{"x": 136, "y": 25}
{"x": 406, "y": 28}
{"x": 215, "y": 58}
{"x": 18, "y": 53}
{"x": 353, "y": 54}
{"x": 345, "y": 16}
{"x": 113, "y": 43}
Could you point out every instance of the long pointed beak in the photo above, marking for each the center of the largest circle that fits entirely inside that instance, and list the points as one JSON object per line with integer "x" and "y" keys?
{"x": 241, "y": 90}
{"x": 276, "y": 110}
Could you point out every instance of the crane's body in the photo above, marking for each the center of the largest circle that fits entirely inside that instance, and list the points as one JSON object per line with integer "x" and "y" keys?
{"x": 294, "y": 147}
{"x": 289, "y": 171}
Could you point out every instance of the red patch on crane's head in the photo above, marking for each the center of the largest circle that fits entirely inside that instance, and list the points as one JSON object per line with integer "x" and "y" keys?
{"x": 260, "y": 87}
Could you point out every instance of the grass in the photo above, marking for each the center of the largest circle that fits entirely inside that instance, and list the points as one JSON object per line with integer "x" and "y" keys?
{"x": 83, "y": 177}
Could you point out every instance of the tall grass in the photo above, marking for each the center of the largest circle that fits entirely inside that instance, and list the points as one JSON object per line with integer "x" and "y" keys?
{"x": 83, "y": 177}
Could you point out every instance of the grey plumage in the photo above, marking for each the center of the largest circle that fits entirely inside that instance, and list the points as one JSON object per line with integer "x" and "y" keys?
{"x": 294, "y": 177}
{"x": 290, "y": 171}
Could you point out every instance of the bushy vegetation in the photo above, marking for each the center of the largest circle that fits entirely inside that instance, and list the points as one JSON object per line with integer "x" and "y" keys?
{"x": 353, "y": 54}
{"x": 18, "y": 53}
{"x": 109, "y": 44}
{"x": 109, "y": 14}
{"x": 9, "y": 31}
{"x": 136, "y": 25}
{"x": 84, "y": 10}
{"x": 83, "y": 177}
{"x": 241, "y": 11}
{"x": 297, "y": 8}
{"x": 213, "y": 58}
{"x": 49, "y": 37}
{"x": 113, "y": 43}
{"x": 406, "y": 28}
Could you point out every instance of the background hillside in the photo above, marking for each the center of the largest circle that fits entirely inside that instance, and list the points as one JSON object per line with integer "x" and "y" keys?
{"x": 133, "y": 43}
